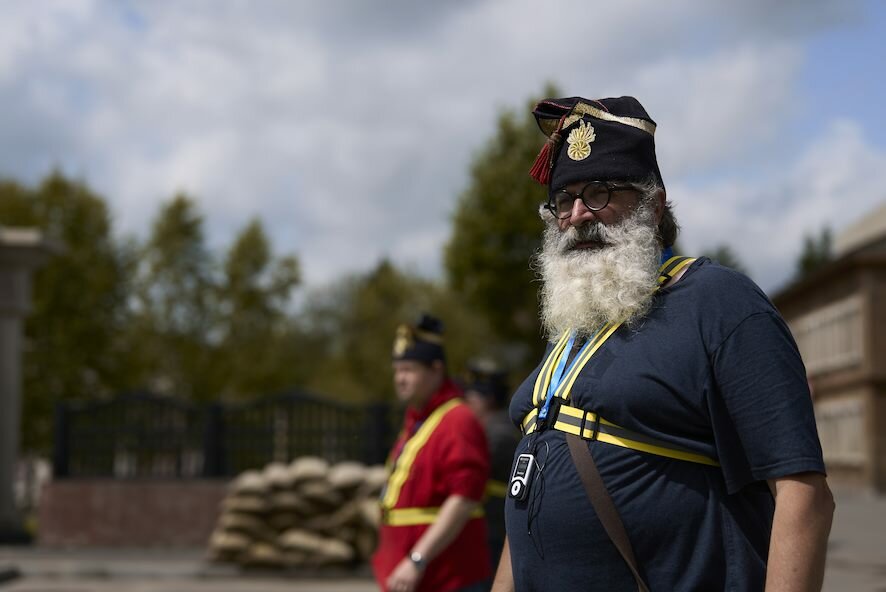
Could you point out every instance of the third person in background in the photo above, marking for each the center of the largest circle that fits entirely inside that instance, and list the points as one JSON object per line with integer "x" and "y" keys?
{"x": 486, "y": 393}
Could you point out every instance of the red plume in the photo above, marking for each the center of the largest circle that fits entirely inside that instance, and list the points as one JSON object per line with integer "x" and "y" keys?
{"x": 541, "y": 169}
{"x": 544, "y": 162}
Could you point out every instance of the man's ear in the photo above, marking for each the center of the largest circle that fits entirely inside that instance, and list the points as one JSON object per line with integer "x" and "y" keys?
{"x": 659, "y": 199}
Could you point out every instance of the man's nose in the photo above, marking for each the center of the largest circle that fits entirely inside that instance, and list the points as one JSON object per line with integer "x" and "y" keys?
{"x": 581, "y": 215}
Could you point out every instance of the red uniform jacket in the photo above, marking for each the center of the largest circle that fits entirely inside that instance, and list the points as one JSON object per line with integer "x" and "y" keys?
{"x": 454, "y": 460}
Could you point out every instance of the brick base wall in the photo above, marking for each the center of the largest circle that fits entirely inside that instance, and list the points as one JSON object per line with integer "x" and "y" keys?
{"x": 109, "y": 513}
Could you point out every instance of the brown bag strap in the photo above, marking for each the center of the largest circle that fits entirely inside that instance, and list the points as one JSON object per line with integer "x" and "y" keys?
{"x": 603, "y": 505}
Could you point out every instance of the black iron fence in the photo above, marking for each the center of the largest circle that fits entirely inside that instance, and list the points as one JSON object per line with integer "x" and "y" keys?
{"x": 144, "y": 435}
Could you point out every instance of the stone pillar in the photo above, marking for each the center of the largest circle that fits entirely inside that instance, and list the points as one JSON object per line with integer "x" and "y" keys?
{"x": 21, "y": 252}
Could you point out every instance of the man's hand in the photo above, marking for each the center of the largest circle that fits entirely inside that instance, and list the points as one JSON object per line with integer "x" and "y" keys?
{"x": 454, "y": 514}
{"x": 405, "y": 577}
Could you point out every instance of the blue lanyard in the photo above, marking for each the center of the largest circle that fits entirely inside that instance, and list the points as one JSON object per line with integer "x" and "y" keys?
{"x": 561, "y": 371}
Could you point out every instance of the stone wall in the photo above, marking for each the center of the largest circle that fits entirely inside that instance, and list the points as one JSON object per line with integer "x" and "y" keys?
{"x": 114, "y": 513}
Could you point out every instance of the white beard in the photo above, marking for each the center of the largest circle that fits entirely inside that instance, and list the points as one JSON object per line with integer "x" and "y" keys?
{"x": 586, "y": 288}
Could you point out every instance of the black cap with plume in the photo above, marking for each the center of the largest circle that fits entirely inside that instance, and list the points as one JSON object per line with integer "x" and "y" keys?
{"x": 422, "y": 341}
{"x": 594, "y": 140}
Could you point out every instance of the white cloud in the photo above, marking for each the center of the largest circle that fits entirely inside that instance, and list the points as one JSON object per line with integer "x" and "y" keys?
{"x": 348, "y": 127}
{"x": 719, "y": 107}
{"x": 839, "y": 178}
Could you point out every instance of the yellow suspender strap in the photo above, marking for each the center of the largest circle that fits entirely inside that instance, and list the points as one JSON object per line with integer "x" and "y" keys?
{"x": 602, "y": 335}
{"x": 544, "y": 376}
{"x": 566, "y": 385}
{"x": 589, "y": 425}
{"x": 411, "y": 450}
{"x": 416, "y": 516}
{"x": 672, "y": 267}
{"x": 571, "y": 420}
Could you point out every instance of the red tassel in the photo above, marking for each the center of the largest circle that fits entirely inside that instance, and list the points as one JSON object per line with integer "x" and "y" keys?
{"x": 544, "y": 162}
{"x": 541, "y": 168}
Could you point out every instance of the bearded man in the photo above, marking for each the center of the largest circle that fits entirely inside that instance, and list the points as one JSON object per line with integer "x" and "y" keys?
{"x": 669, "y": 438}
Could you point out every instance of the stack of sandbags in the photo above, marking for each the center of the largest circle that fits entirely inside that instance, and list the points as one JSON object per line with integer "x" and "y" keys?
{"x": 302, "y": 514}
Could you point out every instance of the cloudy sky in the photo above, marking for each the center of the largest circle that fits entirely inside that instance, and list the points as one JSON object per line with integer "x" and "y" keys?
{"x": 347, "y": 127}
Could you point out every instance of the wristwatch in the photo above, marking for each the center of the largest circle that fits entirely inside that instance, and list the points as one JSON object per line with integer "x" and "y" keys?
{"x": 418, "y": 560}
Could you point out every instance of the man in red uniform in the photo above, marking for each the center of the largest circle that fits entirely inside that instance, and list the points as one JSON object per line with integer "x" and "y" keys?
{"x": 433, "y": 534}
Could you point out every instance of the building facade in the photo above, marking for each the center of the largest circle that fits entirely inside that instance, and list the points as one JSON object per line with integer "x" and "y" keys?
{"x": 838, "y": 317}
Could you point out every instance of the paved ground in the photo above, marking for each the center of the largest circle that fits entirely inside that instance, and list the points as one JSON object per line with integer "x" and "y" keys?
{"x": 127, "y": 570}
{"x": 856, "y": 563}
{"x": 190, "y": 585}
{"x": 857, "y": 547}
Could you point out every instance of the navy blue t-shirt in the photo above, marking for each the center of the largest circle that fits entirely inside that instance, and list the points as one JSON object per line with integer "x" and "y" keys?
{"x": 712, "y": 368}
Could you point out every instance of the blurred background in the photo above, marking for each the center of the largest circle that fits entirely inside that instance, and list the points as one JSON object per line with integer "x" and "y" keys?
{"x": 213, "y": 215}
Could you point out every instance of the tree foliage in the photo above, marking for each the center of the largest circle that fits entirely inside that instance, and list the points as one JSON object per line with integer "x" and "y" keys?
{"x": 211, "y": 328}
{"x": 74, "y": 345}
{"x": 817, "y": 251}
{"x": 176, "y": 306}
{"x": 110, "y": 315}
{"x": 495, "y": 231}
{"x": 256, "y": 332}
{"x": 353, "y": 324}
{"x": 724, "y": 255}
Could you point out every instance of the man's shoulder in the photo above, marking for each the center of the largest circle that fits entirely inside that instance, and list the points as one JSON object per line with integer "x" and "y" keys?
{"x": 708, "y": 271}
{"x": 717, "y": 283}
{"x": 461, "y": 414}
{"x": 459, "y": 429}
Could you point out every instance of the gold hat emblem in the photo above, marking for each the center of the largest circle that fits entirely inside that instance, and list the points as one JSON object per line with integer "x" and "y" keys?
{"x": 579, "y": 141}
{"x": 403, "y": 341}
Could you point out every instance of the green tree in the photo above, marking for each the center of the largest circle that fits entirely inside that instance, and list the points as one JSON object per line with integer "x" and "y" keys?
{"x": 17, "y": 207}
{"x": 256, "y": 346}
{"x": 352, "y": 328}
{"x": 817, "y": 251}
{"x": 724, "y": 255}
{"x": 176, "y": 305}
{"x": 74, "y": 347}
{"x": 355, "y": 320}
{"x": 110, "y": 315}
{"x": 495, "y": 231}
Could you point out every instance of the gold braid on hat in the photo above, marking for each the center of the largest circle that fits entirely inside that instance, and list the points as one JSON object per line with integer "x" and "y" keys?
{"x": 404, "y": 340}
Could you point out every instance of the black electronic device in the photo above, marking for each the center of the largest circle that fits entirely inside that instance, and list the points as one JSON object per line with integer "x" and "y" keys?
{"x": 521, "y": 478}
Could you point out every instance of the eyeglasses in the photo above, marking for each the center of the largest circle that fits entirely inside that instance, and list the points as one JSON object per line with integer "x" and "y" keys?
{"x": 596, "y": 195}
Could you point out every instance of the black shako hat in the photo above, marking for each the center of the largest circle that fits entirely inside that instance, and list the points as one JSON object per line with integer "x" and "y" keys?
{"x": 422, "y": 342}
{"x": 594, "y": 140}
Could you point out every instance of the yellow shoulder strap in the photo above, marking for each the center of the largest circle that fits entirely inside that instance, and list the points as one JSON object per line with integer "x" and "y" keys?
{"x": 411, "y": 450}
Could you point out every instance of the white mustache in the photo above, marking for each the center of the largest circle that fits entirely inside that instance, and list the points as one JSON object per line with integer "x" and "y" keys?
{"x": 596, "y": 232}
